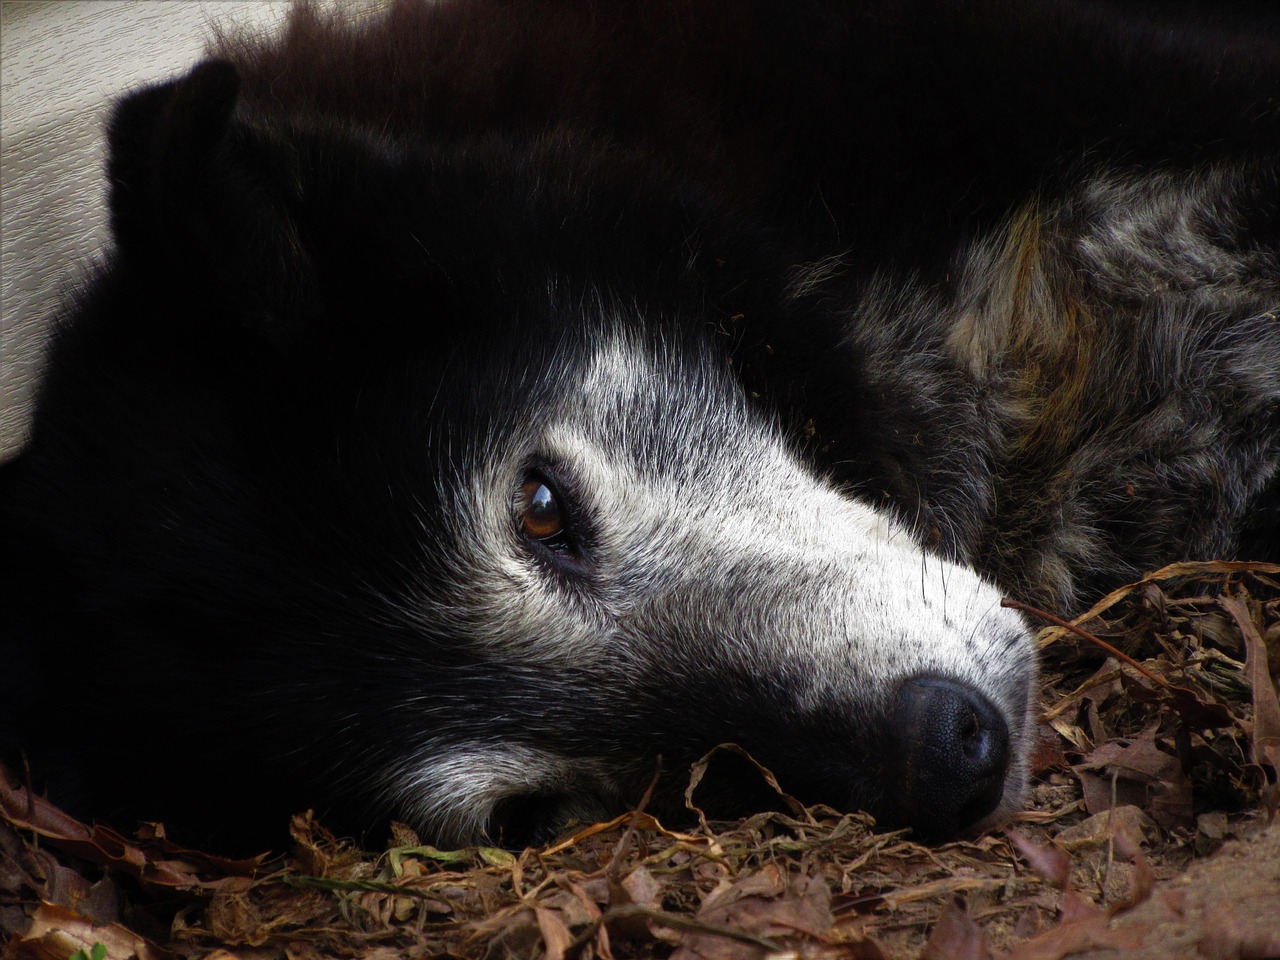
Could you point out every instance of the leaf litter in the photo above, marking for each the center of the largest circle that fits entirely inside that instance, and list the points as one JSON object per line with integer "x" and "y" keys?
{"x": 1155, "y": 779}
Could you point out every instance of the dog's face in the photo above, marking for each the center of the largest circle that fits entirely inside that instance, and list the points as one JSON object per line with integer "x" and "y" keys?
{"x": 459, "y": 515}
{"x": 644, "y": 567}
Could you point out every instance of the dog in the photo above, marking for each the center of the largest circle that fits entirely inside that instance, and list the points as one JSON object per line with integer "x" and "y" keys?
{"x": 483, "y": 405}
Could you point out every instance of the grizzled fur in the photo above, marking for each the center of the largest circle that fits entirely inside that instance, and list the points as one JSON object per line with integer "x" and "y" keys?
{"x": 804, "y": 311}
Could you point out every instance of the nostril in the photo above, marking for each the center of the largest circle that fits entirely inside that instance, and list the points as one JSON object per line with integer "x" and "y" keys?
{"x": 948, "y": 755}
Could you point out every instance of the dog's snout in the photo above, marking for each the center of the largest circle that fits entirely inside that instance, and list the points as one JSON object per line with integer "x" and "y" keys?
{"x": 948, "y": 755}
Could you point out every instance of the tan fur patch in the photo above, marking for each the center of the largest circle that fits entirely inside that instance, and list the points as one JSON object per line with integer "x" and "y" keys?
{"x": 1023, "y": 326}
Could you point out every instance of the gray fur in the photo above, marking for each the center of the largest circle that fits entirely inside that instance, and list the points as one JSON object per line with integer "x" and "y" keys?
{"x": 1100, "y": 380}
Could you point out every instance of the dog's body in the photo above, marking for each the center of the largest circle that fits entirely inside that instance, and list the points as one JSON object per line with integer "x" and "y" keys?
{"x": 479, "y": 401}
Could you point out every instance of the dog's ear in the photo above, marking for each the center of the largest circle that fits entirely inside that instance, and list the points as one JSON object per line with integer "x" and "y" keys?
{"x": 202, "y": 199}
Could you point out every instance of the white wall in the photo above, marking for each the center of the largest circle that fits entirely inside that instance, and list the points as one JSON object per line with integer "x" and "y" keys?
{"x": 61, "y": 63}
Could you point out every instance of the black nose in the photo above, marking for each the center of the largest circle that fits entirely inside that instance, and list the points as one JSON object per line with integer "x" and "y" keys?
{"x": 948, "y": 754}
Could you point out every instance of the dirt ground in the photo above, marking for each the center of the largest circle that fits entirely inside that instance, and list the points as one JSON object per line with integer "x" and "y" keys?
{"x": 1149, "y": 835}
{"x": 1225, "y": 906}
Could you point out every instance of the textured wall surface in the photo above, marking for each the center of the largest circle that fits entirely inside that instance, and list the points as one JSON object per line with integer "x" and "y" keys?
{"x": 61, "y": 63}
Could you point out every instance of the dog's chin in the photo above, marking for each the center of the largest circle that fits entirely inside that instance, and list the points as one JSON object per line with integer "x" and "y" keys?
{"x": 731, "y": 789}
{"x": 537, "y": 818}
{"x": 541, "y": 817}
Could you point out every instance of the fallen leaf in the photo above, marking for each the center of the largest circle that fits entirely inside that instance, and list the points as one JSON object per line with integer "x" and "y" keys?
{"x": 956, "y": 937}
{"x": 555, "y": 933}
{"x": 1049, "y": 860}
{"x": 56, "y": 933}
{"x": 1266, "y": 702}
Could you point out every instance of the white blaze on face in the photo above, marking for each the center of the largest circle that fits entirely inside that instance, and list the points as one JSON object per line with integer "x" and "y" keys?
{"x": 689, "y": 488}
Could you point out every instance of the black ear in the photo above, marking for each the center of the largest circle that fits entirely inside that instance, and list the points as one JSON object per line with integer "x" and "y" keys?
{"x": 202, "y": 198}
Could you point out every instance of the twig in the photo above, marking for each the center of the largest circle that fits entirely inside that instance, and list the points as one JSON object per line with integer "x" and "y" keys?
{"x": 614, "y": 863}
{"x": 1097, "y": 641}
{"x": 673, "y": 921}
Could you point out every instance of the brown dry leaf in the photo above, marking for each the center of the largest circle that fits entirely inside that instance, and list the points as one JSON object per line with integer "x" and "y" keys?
{"x": 1047, "y": 755}
{"x": 699, "y": 770}
{"x": 319, "y": 853}
{"x": 767, "y": 906}
{"x": 1136, "y": 771}
{"x": 1076, "y": 906}
{"x": 595, "y": 919}
{"x": 956, "y": 937}
{"x": 641, "y": 888}
{"x": 555, "y": 932}
{"x": 56, "y": 933}
{"x": 1099, "y": 828}
{"x": 1144, "y": 878}
{"x": 1074, "y": 937}
{"x": 642, "y": 821}
{"x": 1196, "y": 570}
{"x": 1049, "y": 860}
{"x": 1266, "y": 703}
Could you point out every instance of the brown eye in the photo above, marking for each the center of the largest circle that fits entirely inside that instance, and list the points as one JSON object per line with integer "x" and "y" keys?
{"x": 540, "y": 515}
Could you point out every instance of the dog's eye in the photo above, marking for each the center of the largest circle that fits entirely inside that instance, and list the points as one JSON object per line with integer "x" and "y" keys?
{"x": 538, "y": 510}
